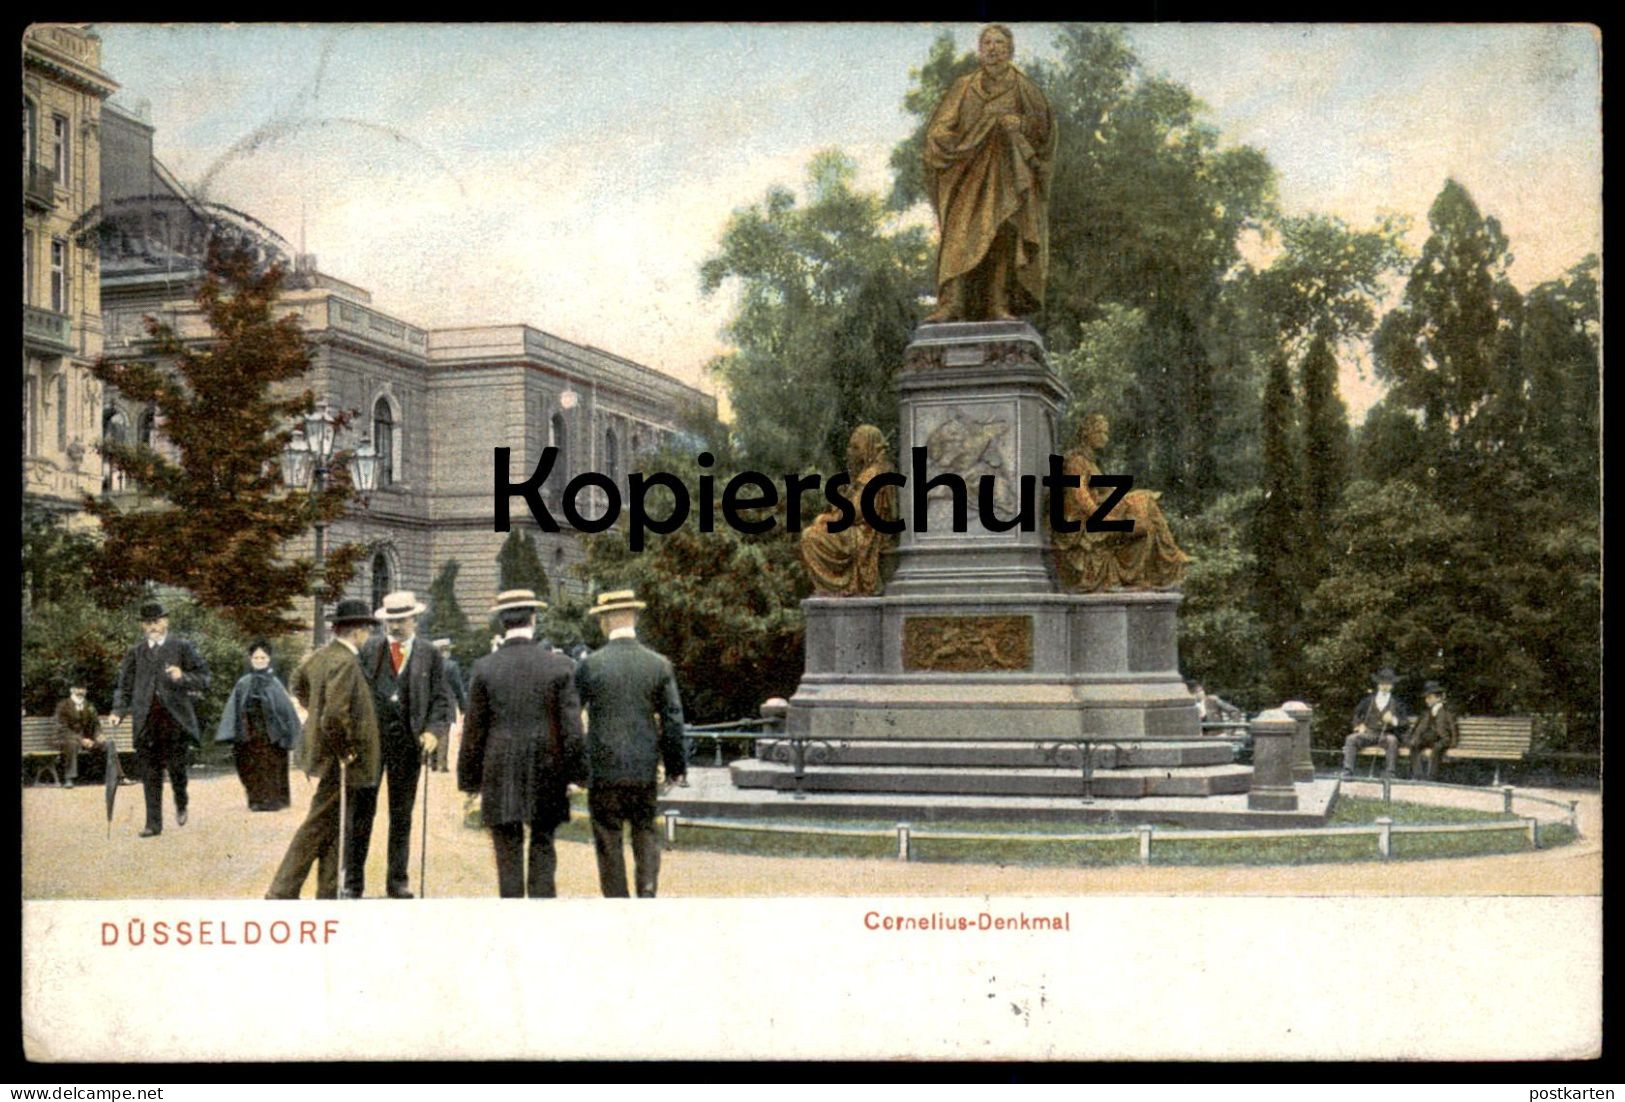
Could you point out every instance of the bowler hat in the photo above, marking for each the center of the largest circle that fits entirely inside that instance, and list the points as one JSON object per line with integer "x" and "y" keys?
{"x": 152, "y": 610}
{"x": 1385, "y": 676}
{"x": 351, "y": 610}
{"x": 615, "y": 601}
{"x": 399, "y": 605}
{"x": 1433, "y": 688}
{"x": 510, "y": 599}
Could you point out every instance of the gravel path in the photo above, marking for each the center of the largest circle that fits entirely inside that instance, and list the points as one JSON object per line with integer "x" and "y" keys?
{"x": 228, "y": 852}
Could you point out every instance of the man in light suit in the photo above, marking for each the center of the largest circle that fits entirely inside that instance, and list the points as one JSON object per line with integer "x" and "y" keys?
{"x": 522, "y": 747}
{"x": 634, "y": 723}
{"x": 413, "y": 706}
{"x": 156, "y": 683}
{"x": 339, "y": 745}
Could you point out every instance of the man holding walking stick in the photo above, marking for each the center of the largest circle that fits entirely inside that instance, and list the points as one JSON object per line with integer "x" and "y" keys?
{"x": 409, "y": 697}
{"x": 339, "y": 745}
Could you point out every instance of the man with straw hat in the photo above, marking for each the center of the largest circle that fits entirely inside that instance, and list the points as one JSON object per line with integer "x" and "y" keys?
{"x": 340, "y": 745}
{"x": 522, "y": 747}
{"x": 624, "y": 686}
{"x": 409, "y": 696}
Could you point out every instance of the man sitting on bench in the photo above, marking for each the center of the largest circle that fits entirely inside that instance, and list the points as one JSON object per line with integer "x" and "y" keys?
{"x": 78, "y": 731}
{"x": 1377, "y": 721}
{"x": 1433, "y": 733}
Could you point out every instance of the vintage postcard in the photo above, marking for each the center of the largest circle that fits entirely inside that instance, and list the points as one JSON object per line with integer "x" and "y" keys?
{"x": 887, "y": 541}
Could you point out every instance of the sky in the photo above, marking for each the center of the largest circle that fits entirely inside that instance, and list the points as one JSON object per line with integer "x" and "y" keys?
{"x": 575, "y": 177}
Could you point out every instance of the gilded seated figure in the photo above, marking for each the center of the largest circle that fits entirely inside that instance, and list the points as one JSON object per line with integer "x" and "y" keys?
{"x": 847, "y": 563}
{"x": 1088, "y": 562}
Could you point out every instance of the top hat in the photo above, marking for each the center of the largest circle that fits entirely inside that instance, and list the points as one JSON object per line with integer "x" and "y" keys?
{"x": 510, "y": 599}
{"x": 351, "y": 610}
{"x": 1433, "y": 688}
{"x": 1386, "y": 675}
{"x": 399, "y": 605}
{"x": 441, "y": 642}
{"x": 615, "y": 601}
{"x": 152, "y": 610}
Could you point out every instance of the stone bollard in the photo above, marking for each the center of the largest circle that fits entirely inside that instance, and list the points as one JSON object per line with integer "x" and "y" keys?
{"x": 1506, "y": 799}
{"x": 904, "y": 848}
{"x": 1574, "y": 817}
{"x": 1532, "y": 828}
{"x": 1385, "y": 837}
{"x": 1145, "y": 843}
{"x": 1273, "y": 733}
{"x": 1303, "y": 762}
{"x": 671, "y": 826}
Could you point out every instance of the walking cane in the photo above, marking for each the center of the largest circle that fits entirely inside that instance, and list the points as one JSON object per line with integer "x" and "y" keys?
{"x": 344, "y": 785}
{"x": 423, "y": 859}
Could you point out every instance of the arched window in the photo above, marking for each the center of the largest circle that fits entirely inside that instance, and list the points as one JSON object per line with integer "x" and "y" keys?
{"x": 146, "y": 427}
{"x": 383, "y": 578}
{"x": 384, "y": 439}
{"x": 116, "y": 429}
{"x": 30, "y": 132}
{"x": 558, "y": 437}
{"x": 612, "y": 455}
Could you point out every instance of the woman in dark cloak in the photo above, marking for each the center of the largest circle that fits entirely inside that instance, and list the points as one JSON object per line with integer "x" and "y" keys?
{"x": 261, "y": 720}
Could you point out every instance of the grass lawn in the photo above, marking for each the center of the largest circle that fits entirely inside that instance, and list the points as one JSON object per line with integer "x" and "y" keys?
{"x": 1014, "y": 843}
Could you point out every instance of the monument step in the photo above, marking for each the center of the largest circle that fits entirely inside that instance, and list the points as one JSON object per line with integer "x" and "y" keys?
{"x": 1006, "y": 755}
{"x": 1210, "y": 780}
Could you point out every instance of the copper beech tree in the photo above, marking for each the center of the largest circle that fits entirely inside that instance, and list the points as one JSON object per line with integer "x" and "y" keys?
{"x": 213, "y": 516}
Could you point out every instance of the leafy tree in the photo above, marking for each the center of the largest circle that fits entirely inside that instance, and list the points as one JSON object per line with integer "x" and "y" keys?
{"x": 828, "y": 296}
{"x": 1278, "y": 528}
{"x": 68, "y": 637}
{"x": 1222, "y": 637}
{"x": 519, "y": 564}
{"x": 724, "y": 606}
{"x": 216, "y": 520}
{"x": 446, "y": 619}
{"x": 1325, "y": 434}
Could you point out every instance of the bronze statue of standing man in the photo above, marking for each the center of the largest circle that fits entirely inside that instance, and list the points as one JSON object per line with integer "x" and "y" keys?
{"x": 989, "y": 149}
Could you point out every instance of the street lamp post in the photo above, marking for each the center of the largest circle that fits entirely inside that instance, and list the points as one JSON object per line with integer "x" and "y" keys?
{"x": 307, "y": 460}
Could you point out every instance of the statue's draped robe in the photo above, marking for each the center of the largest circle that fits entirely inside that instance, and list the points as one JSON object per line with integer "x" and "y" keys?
{"x": 1088, "y": 562}
{"x": 981, "y": 177}
{"x": 847, "y": 563}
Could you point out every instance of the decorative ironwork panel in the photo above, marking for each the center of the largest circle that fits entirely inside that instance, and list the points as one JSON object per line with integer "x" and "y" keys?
{"x": 964, "y": 644}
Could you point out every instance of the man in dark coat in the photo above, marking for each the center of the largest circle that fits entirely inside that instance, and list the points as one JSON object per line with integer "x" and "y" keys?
{"x": 1433, "y": 734}
{"x": 408, "y": 679}
{"x": 457, "y": 686}
{"x": 156, "y": 683}
{"x": 339, "y": 745}
{"x": 78, "y": 729}
{"x": 522, "y": 747}
{"x": 624, "y": 686}
{"x": 1378, "y": 719}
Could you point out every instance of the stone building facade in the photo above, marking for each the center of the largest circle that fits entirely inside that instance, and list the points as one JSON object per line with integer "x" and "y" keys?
{"x": 436, "y": 403}
{"x": 63, "y": 92}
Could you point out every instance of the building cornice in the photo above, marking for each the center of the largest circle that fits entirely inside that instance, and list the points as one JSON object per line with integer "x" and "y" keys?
{"x": 40, "y": 55}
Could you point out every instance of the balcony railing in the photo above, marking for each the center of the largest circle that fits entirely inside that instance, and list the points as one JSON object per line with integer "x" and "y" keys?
{"x": 39, "y": 186}
{"x": 47, "y": 328}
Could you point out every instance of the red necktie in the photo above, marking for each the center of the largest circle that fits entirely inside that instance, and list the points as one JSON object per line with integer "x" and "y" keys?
{"x": 395, "y": 655}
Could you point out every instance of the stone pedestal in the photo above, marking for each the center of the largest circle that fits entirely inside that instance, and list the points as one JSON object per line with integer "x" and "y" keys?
{"x": 1273, "y": 732}
{"x": 981, "y": 398}
{"x": 1303, "y": 761}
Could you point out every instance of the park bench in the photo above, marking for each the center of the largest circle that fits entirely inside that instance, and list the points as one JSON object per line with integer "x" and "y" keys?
{"x": 40, "y": 749}
{"x": 1483, "y": 738}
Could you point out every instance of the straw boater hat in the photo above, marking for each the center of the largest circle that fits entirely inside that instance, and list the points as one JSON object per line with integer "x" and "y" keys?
{"x": 351, "y": 610}
{"x": 399, "y": 605}
{"x": 616, "y": 600}
{"x": 443, "y": 641}
{"x": 516, "y": 598}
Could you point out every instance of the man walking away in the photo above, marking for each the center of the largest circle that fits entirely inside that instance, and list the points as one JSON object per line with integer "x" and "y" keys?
{"x": 339, "y": 728}
{"x": 522, "y": 747}
{"x": 156, "y": 683}
{"x": 625, "y": 686}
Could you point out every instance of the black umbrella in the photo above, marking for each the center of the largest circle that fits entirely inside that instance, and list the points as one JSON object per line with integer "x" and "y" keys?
{"x": 112, "y": 776}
